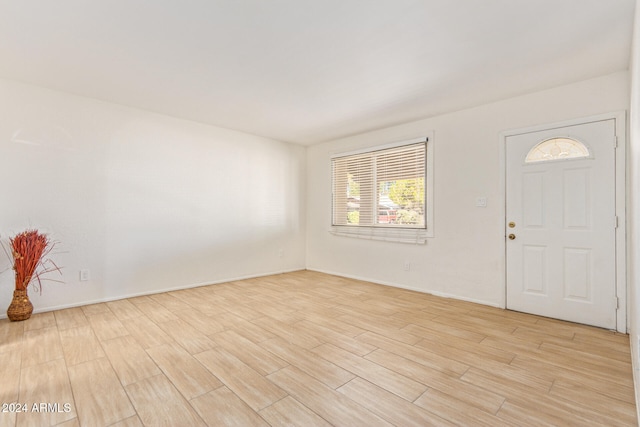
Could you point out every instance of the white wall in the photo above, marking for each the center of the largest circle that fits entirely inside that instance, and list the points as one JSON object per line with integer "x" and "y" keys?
{"x": 634, "y": 204}
{"x": 464, "y": 259}
{"x": 145, "y": 202}
{"x": 148, "y": 202}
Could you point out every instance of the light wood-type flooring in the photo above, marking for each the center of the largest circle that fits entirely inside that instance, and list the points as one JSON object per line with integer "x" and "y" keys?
{"x": 309, "y": 349}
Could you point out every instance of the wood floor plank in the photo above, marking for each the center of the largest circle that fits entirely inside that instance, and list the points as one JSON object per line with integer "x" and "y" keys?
{"x": 187, "y": 336}
{"x": 99, "y": 396}
{"x": 363, "y": 307}
{"x": 309, "y": 362}
{"x": 221, "y": 407}
{"x": 503, "y": 315}
{"x": 442, "y": 308}
{"x": 386, "y": 378}
{"x": 169, "y": 302}
{"x": 511, "y": 344}
{"x": 129, "y": 359}
{"x": 504, "y": 384}
{"x": 496, "y": 315}
{"x": 304, "y": 303}
{"x": 589, "y": 360}
{"x": 390, "y": 407}
{"x": 124, "y": 310}
{"x": 140, "y": 300}
{"x": 239, "y": 308}
{"x": 203, "y": 323}
{"x": 387, "y": 304}
{"x": 128, "y": 422}
{"x": 325, "y": 318}
{"x": 553, "y": 411}
{"x": 328, "y": 335}
{"x": 615, "y": 340}
{"x": 308, "y": 348}
{"x": 8, "y": 419}
{"x": 601, "y": 348}
{"x": 258, "y": 358}
{"x": 290, "y": 412}
{"x": 250, "y": 331}
{"x": 433, "y": 360}
{"x": 331, "y": 405}
{"x": 570, "y": 328}
{"x": 10, "y": 361}
{"x": 9, "y": 393}
{"x": 291, "y": 333}
{"x": 156, "y": 312}
{"x": 159, "y": 403}
{"x": 70, "y": 318}
{"x": 613, "y": 386}
{"x": 93, "y": 309}
{"x": 458, "y": 412}
{"x": 39, "y": 321}
{"x": 482, "y": 326}
{"x": 11, "y": 335}
{"x": 553, "y": 330}
{"x": 185, "y": 371}
{"x": 46, "y": 384}
{"x": 40, "y": 346}
{"x": 270, "y": 307}
{"x": 423, "y": 326}
{"x": 205, "y": 304}
{"x": 464, "y": 351}
{"x": 80, "y": 344}
{"x": 613, "y": 408}
{"x": 470, "y": 394}
{"x": 527, "y": 416}
{"x": 74, "y": 422}
{"x": 480, "y": 360}
{"x": 579, "y": 367}
{"x": 382, "y": 327}
{"x": 539, "y": 336}
{"x": 107, "y": 326}
{"x": 147, "y": 333}
{"x": 254, "y": 389}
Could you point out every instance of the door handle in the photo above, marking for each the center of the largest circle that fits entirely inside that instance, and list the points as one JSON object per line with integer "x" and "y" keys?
{"x": 512, "y": 236}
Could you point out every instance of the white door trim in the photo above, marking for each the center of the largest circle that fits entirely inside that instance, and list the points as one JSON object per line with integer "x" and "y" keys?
{"x": 622, "y": 320}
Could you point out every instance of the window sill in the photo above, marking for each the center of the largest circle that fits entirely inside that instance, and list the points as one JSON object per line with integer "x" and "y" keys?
{"x": 399, "y": 235}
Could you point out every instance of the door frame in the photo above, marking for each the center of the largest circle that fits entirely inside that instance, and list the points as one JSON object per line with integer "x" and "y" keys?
{"x": 619, "y": 117}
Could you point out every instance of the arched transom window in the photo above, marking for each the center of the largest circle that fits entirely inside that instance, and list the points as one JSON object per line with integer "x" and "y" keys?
{"x": 557, "y": 149}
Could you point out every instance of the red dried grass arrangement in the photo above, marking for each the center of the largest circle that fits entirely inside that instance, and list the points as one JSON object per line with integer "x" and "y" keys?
{"x": 30, "y": 250}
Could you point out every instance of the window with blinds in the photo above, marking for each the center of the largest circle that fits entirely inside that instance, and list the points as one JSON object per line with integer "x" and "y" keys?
{"x": 383, "y": 188}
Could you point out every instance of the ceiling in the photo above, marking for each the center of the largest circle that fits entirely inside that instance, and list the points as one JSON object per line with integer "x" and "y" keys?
{"x": 308, "y": 71}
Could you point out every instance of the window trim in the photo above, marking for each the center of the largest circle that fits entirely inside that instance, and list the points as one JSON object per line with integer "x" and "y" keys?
{"x": 394, "y": 234}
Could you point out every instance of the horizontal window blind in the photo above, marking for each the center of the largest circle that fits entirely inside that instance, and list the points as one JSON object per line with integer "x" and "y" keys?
{"x": 380, "y": 188}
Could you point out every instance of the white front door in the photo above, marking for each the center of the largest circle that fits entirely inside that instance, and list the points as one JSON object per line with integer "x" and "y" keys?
{"x": 561, "y": 220}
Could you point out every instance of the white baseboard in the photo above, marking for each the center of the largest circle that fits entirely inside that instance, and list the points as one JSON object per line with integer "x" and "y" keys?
{"x": 158, "y": 291}
{"x": 410, "y": 288}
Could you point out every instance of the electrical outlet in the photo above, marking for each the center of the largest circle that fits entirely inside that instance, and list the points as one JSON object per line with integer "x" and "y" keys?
{"x": 407, "y": 266}
{"x": 281, "y": 253}
{"x": 481, "y": 202}
{"x": 84, "y": 275}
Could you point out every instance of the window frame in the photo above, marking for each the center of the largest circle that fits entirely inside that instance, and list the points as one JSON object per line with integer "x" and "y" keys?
{"x": 529, "y": 158}
{"x": 387, "y": 232}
